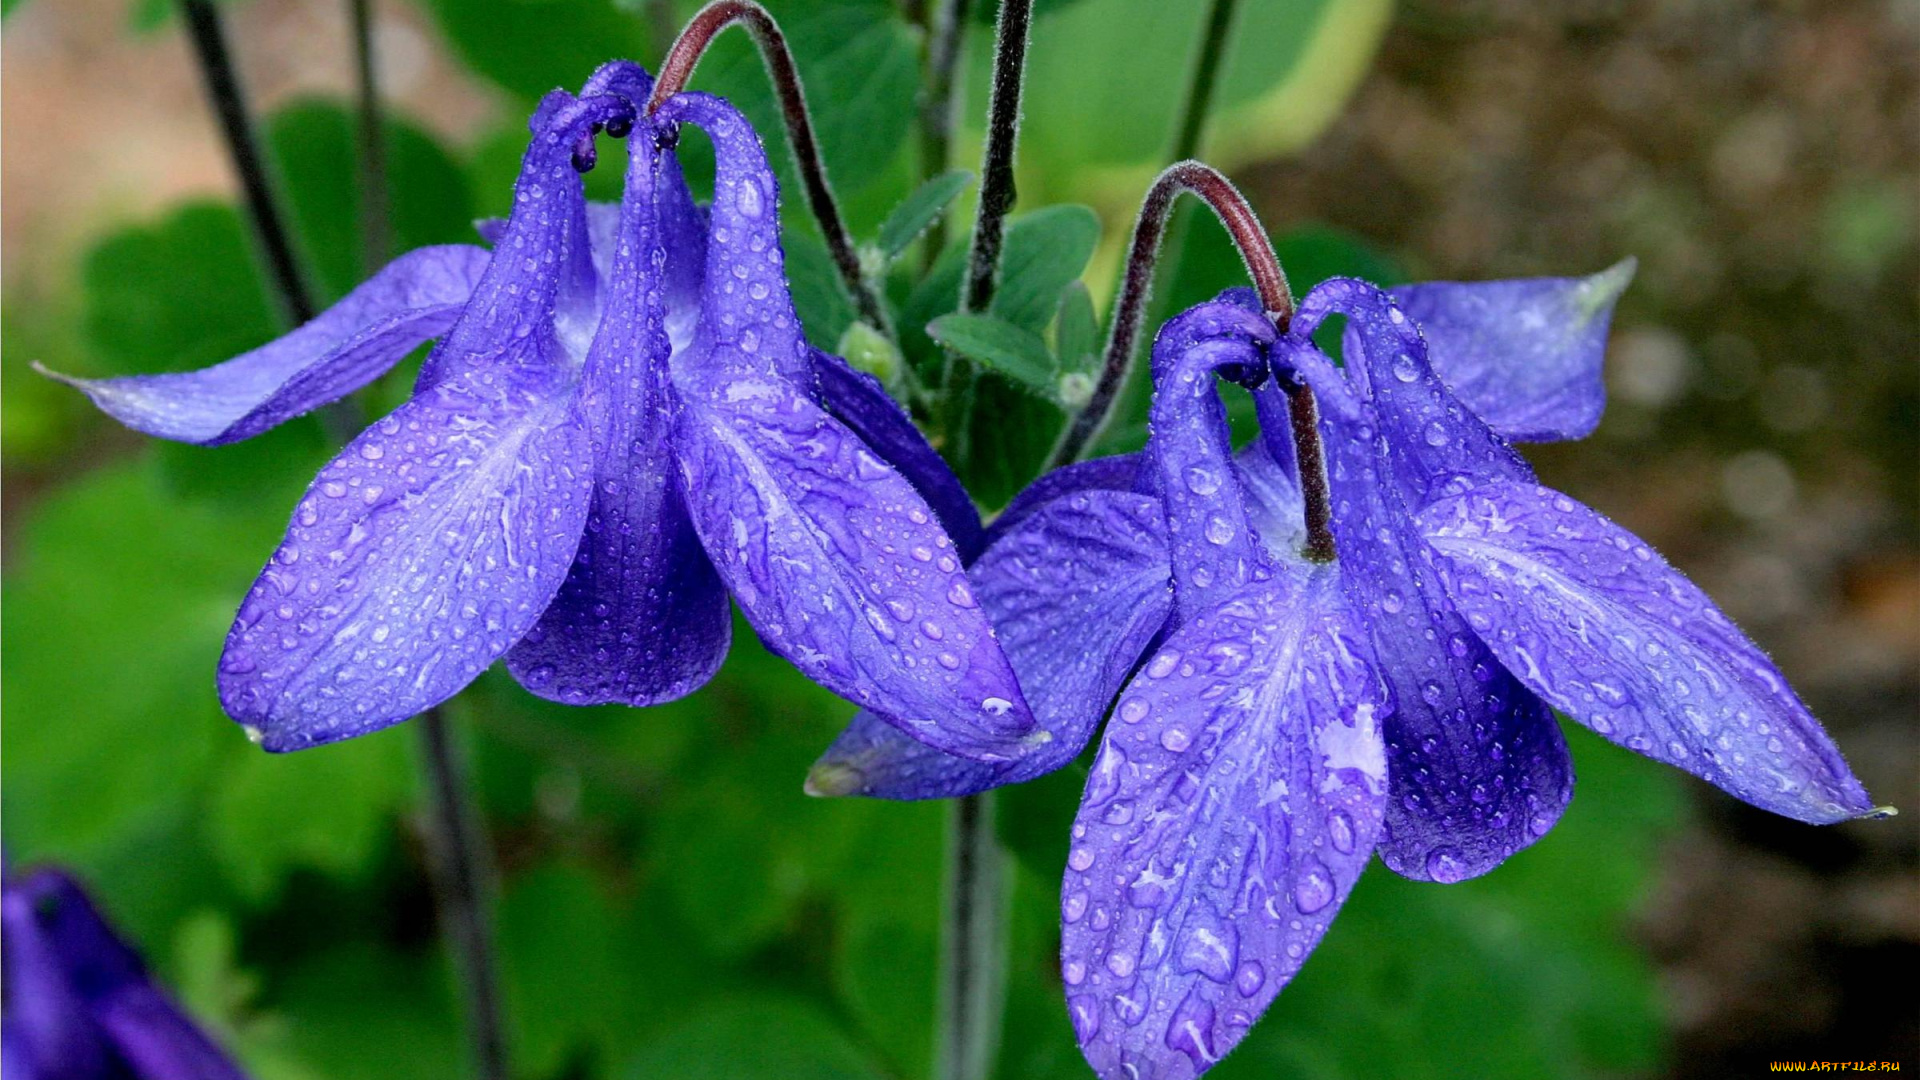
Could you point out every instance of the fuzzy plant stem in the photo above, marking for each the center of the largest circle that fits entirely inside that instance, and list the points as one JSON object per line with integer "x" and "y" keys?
{"x": 376, "y": 230}
{"x": 1130, "y": 312}
{"x": 677, "y": 69}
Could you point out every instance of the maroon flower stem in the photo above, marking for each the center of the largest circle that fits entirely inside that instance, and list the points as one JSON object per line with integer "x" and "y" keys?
{"x": 677, "y": 69}
{"x": 996, "y": 169}
{"x": 1130, "y": 311}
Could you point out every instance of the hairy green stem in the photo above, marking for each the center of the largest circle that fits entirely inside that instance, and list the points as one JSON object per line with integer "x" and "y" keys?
{"x": 973, "y": 943}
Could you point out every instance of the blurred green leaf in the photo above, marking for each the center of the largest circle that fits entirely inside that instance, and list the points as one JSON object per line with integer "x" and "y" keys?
{"x": 1288, "y": 68}
{"x": 532, "y": 46}
{"x": 1076, "y": 330}
{"x": 325, "y": 809}
{"x": 129, "y": 592}
{"x": 998, "y": 345}
{"x": 560, "y": 966}
{"x": 861, "y": 66}
{"x": 148, "y": 287}
{"x": 749, "y": 1038}
{"x": 366, "y": 1009}
{"x": 920, "y": 210}
{"x": 313, "y": 143}
{"x": 819, "y": 296}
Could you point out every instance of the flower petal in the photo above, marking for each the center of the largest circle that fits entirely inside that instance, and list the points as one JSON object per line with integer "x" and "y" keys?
{"x": 1235, "y": 800}
{"x": 1270, "y": 478}
{"x": 1122, "y": 472}
{"x": 1480, "y": 767}
{"x": 1524, "y": 354}
{"x": 859, "y": 401}
{"x": 1076, "y": 591}
{"x": 419, "y": 556}
{"x": 414, "y": 298}
{"x": 642, "y": 617}
{"x": 435, "y": 540}
{"x": 841, "y": 566}
{"x": 746, "y": 313}
{"x": 1597, "y": 622}
{"x": 1214, "y": 549}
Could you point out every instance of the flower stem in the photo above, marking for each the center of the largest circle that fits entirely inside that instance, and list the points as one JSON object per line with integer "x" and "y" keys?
{"x": 973, "y": 944}
{"x": 209, "y": 39}
{"x": 997, "y": 195}
{"x": 376, "y": 233}
{"x": 457, "y": 855}
{"x": 945, "y": 32}
{"x": 677, "y": 69}
{"x": 1130, "y": 311}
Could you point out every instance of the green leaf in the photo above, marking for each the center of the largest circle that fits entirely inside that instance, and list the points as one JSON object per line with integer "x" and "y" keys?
{"x": 1044, "y": 252}
{"x": 532, "y": 46}
{"x": 313, "y": 143}
{"x": 921, "y": 210}
{"x": 754, "y": 1037}
{"x": 1076, "y": 330}
{"x": 560, "y": 965}
{"x": 998, "y": 345}
{"x": 819, "y": 296}
{"x": 327, "y": 809}
{"x": 129, "y": 591}
{"x": 147, "y": 290}
{"x": 861, "y": 65}
{"x": 1102, "y": 76}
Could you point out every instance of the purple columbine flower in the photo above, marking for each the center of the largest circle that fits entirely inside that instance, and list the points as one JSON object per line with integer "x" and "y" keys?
{"x": 620, "y": 426}
{"x": 1294, "y": 717}
{"x": 79, "y": 1004}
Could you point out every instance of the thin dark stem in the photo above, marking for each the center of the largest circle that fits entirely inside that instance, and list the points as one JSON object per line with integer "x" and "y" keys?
{"x": 997, "y": 192}
{"x": 1205, "y": 78}
{"x": 973, "y": 944}
{"x": 1130, "y": 311}
{"x": 376, "y": 235}
{"x": 461, "y": 874}
{"x": 945, "y": 33}
{"x": 677, "y": 69}
{"x": 202, "y": 19}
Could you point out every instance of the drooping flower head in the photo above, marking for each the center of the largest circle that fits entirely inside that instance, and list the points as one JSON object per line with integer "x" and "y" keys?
{"x": 79, "y": 1004}
{"x": 1293, "y": 717}
{"x": 620, "y": 426}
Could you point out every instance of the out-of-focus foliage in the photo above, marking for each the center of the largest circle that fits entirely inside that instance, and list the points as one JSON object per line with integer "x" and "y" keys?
{"x": 671, "y": 904}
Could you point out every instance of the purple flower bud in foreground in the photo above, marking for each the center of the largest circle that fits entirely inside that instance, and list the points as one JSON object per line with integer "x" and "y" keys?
{"x": 79, "y": 1004}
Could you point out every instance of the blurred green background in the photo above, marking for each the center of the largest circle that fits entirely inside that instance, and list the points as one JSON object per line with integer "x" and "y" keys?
{"x": 671, "y": 904}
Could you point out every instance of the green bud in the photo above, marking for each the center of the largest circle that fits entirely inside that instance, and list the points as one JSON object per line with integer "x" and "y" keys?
{"x": 871, "y": 351}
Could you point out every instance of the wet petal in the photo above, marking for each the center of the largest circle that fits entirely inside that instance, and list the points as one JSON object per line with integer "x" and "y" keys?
{"x": 434, "y": 541}
{"x": 1076, "y": 591}
{"x": 1122, "y": 472}
{"x": 642, "y": 617}
{"x": 746, "y": 314}
{"x": 841, "y": 566}
{"x": 1589, "y": 616}
{"x": 1235, "y": 800}
{"x": 859, "y": 401}
{"x": 1480, "y": 767}
{"x": 415, "y": 298}
{"x": 1270, "y": 478}
{"x": 1214, "y": 549}
{"x": 1524, "y": 354}
{"x": 419, "y": 556}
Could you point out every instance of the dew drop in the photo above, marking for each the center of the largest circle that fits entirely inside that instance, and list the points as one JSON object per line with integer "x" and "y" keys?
{"x": 1445, "y": 865}
{"x": 1314, "y": 889}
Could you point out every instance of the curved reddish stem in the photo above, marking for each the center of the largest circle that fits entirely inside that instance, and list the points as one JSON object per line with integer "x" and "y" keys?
{"x": 677, "y": 69}
{"x": 1130, "y": 312}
